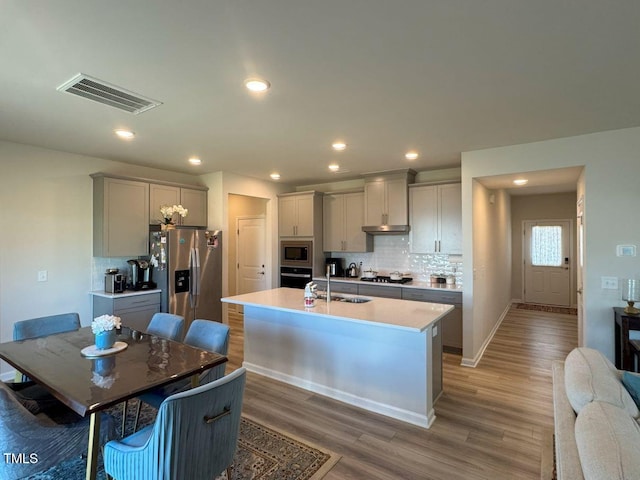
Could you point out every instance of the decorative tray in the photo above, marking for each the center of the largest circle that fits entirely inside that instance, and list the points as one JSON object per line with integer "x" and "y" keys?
{"x": 92, "y": 350}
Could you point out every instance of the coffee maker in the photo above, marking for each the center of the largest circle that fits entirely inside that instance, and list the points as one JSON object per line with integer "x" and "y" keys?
{"x": 141, "y": 275}
{"x": 335, "y": 267}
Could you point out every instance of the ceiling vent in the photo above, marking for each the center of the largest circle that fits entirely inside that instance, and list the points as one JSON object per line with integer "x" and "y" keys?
{"x": 103, "y": 92}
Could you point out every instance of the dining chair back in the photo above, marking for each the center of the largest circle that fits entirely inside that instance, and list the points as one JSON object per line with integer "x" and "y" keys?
{"x": 43, "y": 326}
{"x": 195, "y": 435}
{"x": 205, "y": 334}
{"x": 167, "y": 325}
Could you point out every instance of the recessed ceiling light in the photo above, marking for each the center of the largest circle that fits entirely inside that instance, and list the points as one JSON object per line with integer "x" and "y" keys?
{"x": 275, "y": 176}
{"x": 520, "y": 181}
{"x": 339, "y": 146}
{"x": 334, "y": 167}
{"x": 411, "y": 155}
{"x": 125, "y": 134}
{"x": 195, "y": 161}
{"x": 257, "y": 84}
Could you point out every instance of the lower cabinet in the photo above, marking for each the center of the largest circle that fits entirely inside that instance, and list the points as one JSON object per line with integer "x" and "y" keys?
{"x": 338, "y": 287}
{"x": 451, "y": 323}
{"x": 135, "y": 311}
{"x": 379, "y": 291}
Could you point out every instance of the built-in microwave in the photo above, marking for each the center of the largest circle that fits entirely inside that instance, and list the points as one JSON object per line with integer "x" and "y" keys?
{"x": 296, "y": 253}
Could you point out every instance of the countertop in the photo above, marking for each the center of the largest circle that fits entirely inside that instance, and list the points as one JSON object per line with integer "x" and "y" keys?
{"x": 403, "y": 314}
{"x": 413, "y": 284}
{"x": 126, "y": 293}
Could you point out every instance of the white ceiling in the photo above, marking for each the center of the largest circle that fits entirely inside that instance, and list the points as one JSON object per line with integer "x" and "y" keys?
{"x": 440, "y": 77}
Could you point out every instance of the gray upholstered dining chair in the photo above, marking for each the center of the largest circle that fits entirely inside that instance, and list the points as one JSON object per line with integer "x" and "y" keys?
{"x": 195, "y": 435}
{"x": 32, "y": 396}
{"x": 45, "y": 442}
{"x": 207, "y": 335}
{"x": 167, "y": 325}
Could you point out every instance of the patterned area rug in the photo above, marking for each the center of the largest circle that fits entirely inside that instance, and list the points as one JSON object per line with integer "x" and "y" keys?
{"x": 263, "y": 453}
{"x": 547, "y": 308}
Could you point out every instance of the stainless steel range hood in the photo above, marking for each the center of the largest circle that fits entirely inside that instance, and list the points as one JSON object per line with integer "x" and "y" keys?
{"x": 386, "y": 229}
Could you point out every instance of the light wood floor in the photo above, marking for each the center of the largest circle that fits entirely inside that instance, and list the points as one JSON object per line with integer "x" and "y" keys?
{"x": 491, "y": 421}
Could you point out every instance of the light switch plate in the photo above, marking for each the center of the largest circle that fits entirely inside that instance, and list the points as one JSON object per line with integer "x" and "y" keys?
{"x": 610, "y": 283}
{"x": 626, "y": 250}
{"x": 42, "y": 276}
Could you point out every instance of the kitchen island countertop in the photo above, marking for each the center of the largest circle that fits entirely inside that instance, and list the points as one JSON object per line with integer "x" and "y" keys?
{"x": 393, "y": 313}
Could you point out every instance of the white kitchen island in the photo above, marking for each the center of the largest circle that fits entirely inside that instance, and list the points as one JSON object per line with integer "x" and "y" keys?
{"x": 384, "y": 355}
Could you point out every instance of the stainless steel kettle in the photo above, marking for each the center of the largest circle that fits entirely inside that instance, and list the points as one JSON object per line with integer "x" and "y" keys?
{"x": 352, "y": 270}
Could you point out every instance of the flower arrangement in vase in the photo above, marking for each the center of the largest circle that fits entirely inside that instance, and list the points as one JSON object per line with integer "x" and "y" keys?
{"x": 168, "y": 212}
{"x": 104, "y": 328}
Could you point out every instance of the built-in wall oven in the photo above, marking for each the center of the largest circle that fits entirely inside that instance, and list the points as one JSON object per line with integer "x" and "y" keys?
{"x": 296, "y": 263}
{"x": 295, "y": 277}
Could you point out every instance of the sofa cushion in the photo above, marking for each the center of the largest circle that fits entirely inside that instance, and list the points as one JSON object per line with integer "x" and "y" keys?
{"x": 608, "y": 441}
{"x": 589, "y": 376}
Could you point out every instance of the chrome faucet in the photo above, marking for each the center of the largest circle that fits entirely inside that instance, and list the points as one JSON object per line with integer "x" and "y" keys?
{"x": 328, "y": 283}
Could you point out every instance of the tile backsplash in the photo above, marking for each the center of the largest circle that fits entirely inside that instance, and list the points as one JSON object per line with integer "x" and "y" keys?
{"x": 99, "y": 268}
{"x": 391, "y": 253}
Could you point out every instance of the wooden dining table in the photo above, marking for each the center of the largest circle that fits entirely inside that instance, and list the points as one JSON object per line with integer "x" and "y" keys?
{"x": 91, "y": 384}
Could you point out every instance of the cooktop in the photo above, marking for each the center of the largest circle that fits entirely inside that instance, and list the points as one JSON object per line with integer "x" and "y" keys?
{"x": 385, "y": 279}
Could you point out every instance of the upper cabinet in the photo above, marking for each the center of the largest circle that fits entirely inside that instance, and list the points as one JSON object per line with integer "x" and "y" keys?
{"x": 120, "y": 217}
{"x": 436, "y": 218}
{"x": 194, "y": 200}
{"x": 123, "y": 208}
{"x": 343, "y": 215}
{"x": 386, "y": 199}
{"x": 300, "y": 214}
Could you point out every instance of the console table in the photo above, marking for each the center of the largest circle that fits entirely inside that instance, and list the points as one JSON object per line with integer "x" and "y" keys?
{"x": 624, "y": 322}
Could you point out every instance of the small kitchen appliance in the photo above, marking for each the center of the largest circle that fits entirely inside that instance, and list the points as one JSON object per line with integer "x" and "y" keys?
{"x": 114, "y": 281}
{"x": 335, "y": 267}
{"x": 141, "y": 275}
{"x": 352, "y": 270}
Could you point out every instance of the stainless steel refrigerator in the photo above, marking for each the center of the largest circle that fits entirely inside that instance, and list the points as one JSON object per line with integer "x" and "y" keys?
{"x": 188, "y": 269}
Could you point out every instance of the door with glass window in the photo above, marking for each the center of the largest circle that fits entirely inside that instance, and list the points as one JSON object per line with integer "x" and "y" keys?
{"x": 547, "y": 262}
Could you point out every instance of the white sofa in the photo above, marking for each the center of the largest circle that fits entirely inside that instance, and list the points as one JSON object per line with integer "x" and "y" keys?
{"x": 597, "y": 434}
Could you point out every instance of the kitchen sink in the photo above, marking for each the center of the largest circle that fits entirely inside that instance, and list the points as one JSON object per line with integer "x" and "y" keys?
{"x": 346, "y": 299}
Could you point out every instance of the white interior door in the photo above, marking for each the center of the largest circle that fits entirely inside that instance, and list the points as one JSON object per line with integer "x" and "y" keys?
{"x": 251, "y": 253}
{"x": 547, "y": 262}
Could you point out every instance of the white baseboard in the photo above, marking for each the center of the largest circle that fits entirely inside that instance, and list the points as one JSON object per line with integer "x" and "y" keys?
{"x": 473, "y": 362}
{"x": 373, "y": 406}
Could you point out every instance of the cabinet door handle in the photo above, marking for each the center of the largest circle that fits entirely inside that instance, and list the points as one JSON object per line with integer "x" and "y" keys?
{"x": 435, "y": 245}
{"x": 439, "y": 246}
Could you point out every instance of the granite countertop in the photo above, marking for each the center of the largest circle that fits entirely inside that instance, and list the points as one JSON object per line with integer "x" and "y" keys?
{"x": 393, "y": 313}
{"x": 413, "y": 284}
{"x": 126, "y": 293}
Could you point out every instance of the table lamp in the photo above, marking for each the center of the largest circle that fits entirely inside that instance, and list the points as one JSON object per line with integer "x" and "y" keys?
{"x": 631, "y": 294}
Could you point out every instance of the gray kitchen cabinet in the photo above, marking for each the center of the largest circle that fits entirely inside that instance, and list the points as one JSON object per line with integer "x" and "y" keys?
{"x": 451, "y": 323}
{"x": 194, "y": 200}
{"x": 435, "y": 213}
{"x": 386, "y": 198}
{"x": 299, "y": 214}
{"x": 135, "y": 311}
{"x": 120, "y": 217}
{"x": 379, "y": 291}
{"x": 338, "y": 287}
{"x": 343, "y": 217}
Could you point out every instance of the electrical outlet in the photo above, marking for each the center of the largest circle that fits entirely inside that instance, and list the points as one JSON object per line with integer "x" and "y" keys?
{"x": 42, "y": 276}
{"x": 435, "y": 331}
{"x": 609, "y": 283}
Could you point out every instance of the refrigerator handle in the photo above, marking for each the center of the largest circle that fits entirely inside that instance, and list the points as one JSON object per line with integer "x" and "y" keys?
{"x": 195, "y": 277}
